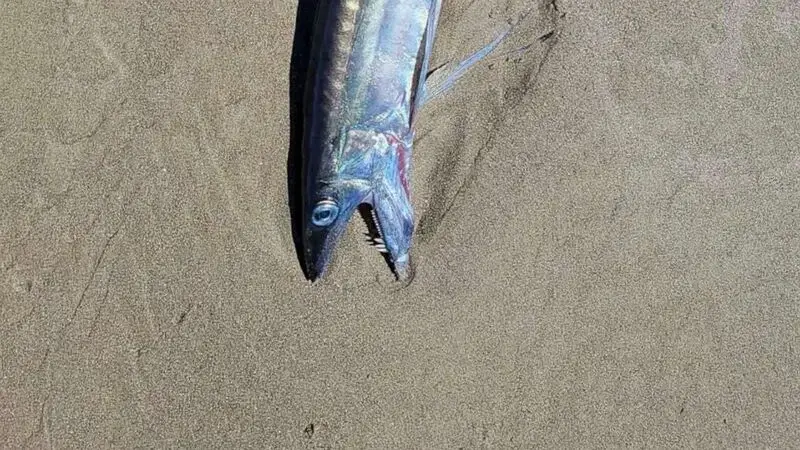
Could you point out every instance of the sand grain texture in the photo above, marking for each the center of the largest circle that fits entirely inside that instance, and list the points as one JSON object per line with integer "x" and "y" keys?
{"x": 607, "y": 251}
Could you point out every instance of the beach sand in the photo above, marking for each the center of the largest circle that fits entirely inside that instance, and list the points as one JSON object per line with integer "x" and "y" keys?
{"x": 607, "y": 250}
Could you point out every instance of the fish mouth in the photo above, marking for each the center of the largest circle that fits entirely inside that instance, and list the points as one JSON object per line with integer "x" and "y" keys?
{"x": 402, "y": 268}
{"x": 320, "y": 241}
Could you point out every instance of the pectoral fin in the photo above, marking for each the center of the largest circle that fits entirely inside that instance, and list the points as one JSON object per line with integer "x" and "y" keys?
{"x": 442, "y": 78}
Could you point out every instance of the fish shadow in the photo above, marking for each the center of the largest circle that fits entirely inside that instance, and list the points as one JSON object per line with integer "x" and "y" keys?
{"x": 298, "y": 69}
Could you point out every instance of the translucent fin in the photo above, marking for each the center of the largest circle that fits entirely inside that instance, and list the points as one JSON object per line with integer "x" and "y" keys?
{"x": 443, "y": 78}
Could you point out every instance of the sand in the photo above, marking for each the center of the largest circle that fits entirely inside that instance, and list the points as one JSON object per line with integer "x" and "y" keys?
{"x": 607, "y": 252}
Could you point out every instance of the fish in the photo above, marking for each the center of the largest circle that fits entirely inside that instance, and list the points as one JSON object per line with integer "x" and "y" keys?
{"x": 366, "y": 82}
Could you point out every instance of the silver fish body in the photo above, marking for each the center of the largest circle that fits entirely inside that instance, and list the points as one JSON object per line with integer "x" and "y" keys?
{"x": 365, "y": 82}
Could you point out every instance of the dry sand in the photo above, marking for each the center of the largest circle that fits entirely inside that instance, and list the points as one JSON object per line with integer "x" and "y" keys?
{"x": 607, "y": 254}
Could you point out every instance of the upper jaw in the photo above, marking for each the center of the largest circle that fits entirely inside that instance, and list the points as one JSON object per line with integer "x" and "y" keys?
{"x": 319, "y": 241}
{"x": 317, "y": 253}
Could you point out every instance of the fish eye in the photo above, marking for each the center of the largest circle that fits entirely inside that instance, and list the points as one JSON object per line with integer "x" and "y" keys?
{"x": 325, "y": 212}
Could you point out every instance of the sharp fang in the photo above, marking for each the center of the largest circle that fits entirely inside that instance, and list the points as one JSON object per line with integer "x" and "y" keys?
{"x": 379, "y": 240}
{"x": 376, "y": 222}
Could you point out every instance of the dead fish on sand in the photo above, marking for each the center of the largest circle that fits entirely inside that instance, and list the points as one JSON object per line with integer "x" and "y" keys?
{"x": 366, "y": 82}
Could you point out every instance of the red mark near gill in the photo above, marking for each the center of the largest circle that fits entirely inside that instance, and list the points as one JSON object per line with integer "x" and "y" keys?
{"x": 402, "y": 161}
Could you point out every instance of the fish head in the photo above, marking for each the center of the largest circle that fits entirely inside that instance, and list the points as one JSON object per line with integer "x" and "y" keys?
{"x": 368, "y": 172}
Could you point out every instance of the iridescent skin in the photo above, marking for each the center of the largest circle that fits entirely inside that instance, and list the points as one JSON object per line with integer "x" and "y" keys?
{"x": 362, "y": 92}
